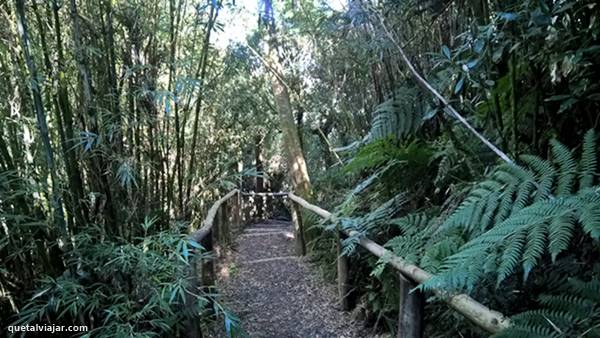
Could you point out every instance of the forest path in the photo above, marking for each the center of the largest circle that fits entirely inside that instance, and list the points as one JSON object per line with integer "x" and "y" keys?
{"x": 276, "y": 293}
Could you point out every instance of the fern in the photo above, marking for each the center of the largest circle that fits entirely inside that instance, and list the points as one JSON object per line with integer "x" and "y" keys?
{"x": 587, "y": 164}
{"x": 414, "y": 232}
{"x": 370, "y": 221}
{"x": 573, "y": 311}
{"x": 534, "y": 223}
{"x": 545, "y": 174}
{"x": 385, "y": 151}
{"x": 560, "y": 234}
{"x": 567, "y": 165}
{"x": 513, "y": 219}
{"x": 397, "y": 117}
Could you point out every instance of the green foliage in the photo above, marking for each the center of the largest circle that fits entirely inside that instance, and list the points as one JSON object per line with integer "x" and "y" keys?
{"x": 398, "y": 117}
{"x": 588, "y": 164}
{"x": 123, "y": 289}
{"x": 414, "y": 232}
{"x": 384, "y": 151}
{"x": 418, "y": 243}
{"x": 518, "y": 215}
{"x": 571, "y": 311}
{"x": 367, "y": 223}
{"x": 523, "y": 74}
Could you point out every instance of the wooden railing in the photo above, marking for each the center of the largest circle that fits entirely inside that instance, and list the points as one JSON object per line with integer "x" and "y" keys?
{"x": 410, "y": 316}
{"x": 229, "y": 211}
{"x": 216, "y": 227}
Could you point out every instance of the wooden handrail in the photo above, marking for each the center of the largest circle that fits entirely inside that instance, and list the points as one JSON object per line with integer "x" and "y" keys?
{"x": 209, "y": 220}
{"x": 484, "y": 317}
{"x": 204, "y": 266}
{"x": 281, "y": 193}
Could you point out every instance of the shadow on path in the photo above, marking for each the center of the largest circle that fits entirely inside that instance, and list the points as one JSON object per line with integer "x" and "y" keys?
{"x": 275, "y": 293}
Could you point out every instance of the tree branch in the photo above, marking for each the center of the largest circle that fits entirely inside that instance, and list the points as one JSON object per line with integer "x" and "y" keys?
{"x": 445, "y": 104}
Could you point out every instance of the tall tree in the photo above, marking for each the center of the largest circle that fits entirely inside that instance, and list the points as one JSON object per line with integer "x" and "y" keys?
{"x": 298, "y": 171}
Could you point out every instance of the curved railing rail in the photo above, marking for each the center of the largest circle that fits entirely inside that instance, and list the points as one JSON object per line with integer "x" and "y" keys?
{"x": 201, "y": 273}
{"x": 227, "y": 211}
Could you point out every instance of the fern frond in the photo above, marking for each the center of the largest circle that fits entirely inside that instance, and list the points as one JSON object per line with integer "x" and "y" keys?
{"x": 567, "y": 165}
{"x": 572, "y": 311}
{"x": 411, "y": 223}
{"x": 525, "y": 331}
{"x": 397, "y": 117}
{"x": 579, "y": 307}
{"x": 589, "y": 213}
{"x": 560, "y": 232}
{"x": 536, "y": 246}
{"x": 545, "y": 174}
{"x": 542, "y": 317}
{"x": 506, "y": 202}
{"x": 531, "y": 220}
{"x": 490, "y": 209}
{"x": 589, "y": 290}
{"x": 436, "y": 253}
{"x": 511, "y": 255}
{"x": 523, "y": 196}
{"x": 587, "y": 165}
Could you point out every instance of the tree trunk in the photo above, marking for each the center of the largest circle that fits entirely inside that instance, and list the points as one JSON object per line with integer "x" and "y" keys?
{"x": 260, "y": 181}
{"x": 299, "y": 244}
{"x": 296, "y": 164}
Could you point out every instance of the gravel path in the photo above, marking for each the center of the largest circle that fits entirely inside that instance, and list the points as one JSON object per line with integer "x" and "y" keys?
{"x": 275, "y": 293}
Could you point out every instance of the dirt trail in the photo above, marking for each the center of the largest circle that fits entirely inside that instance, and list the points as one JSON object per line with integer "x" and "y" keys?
{"x": 275, "y": 293}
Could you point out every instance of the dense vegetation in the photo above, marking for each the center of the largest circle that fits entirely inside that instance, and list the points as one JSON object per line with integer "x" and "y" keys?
{"x": 121, "y": 121}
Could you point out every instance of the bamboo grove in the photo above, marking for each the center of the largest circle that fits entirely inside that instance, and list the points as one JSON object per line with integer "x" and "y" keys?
{"x": 121, "y": 121}
{"x": 107, "y": 121}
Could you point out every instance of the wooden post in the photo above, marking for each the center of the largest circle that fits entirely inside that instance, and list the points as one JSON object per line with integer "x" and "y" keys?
{"x": 192, "y": 324}
{"x": 216, "y": 234}
{"x": 267, "y": 206}
{"x": 239, "y": 211}
{"x": 343, "y": 275}
{"x": 410, "y": 314}
{"x": 233, "y": 215}
{"x": 208, "y": 264}
{"x": 224, "y": 223}
{"x": 298, "y": 230}
{"x": 247, "y": 210}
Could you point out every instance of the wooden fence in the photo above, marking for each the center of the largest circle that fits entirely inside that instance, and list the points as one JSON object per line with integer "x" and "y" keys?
{"x": 410, "y": 276}
{"x": 229, "y": 210}
{"x": 216, "y": 228}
